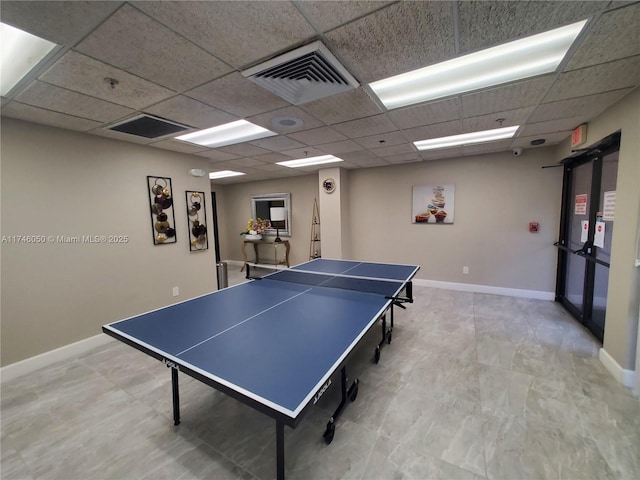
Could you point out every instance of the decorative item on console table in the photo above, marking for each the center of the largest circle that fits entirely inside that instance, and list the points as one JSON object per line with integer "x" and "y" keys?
{"x": 256, "y": 228}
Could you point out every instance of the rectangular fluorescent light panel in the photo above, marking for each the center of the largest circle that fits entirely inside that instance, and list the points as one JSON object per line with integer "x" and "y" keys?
{"x": 19, "y": 54}
{"x": 467, "y": 138}
{"x": 227, "y": 134}
{"x": 224, "y": 174}
{"x": 527, "y": 57}
{"x": 306, "y": 162}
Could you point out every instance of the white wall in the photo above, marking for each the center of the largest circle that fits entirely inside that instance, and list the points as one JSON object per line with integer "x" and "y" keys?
{"x": 57, "y": 182}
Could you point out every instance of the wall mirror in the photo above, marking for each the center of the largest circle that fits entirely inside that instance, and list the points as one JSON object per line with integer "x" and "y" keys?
{"x": 261, "y": 206}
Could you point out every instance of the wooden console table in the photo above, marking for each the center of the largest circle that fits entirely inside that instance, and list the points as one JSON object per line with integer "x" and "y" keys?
{"x": 275, "y": 245}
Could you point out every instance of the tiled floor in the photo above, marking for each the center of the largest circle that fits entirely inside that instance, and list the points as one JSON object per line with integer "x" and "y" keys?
{"x": 472, "y": 386}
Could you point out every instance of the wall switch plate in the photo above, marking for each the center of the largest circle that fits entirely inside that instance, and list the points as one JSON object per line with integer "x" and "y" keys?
{"x": 176, "y": 291}
{"x": 465, "y": 270}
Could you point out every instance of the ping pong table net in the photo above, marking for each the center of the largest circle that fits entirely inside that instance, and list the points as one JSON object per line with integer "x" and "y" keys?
{"x": 378, "y": 286}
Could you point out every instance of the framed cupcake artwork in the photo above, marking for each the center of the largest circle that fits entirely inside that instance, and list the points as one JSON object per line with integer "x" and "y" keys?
{"x": 433, "y": 204}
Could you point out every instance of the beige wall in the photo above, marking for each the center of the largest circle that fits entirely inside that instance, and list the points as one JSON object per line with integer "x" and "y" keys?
{"x": 56, "y": 182}
{"x": 621, "y": 323}
{"x": 496, "y": 196}
{"x": 234, "y": 209}
{"x": 59, "y": 182}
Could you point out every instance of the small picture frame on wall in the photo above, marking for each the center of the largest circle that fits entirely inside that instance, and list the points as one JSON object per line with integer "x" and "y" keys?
{"x": 163, "y": 219}
{"x": 433, "y": 204}
{"x": 196, "y": 218}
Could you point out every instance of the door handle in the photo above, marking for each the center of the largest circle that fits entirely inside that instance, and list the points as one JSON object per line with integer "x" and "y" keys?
{"x": 584, "y": 250}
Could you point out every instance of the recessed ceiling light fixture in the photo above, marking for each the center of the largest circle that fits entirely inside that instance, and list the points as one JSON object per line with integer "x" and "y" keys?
{"x": 19, "y": 54}
{"x": 227, "y": 134}
{"x": 224, "y": 174}
{"x": 306, "y": 162}
{"x": 467, "y": 138}
{"x": 527, "y": 57}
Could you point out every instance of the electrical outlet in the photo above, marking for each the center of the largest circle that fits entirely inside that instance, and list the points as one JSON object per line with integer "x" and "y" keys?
{"x": 465, "y": 270}
{"x": 176, "y": 291}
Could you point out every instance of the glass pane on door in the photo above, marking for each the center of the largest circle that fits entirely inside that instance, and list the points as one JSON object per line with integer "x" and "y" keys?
{"x": 607, "y": 188}
{"x": 580, "y": 203}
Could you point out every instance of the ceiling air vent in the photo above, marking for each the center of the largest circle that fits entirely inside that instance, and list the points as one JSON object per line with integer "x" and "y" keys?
{"x": 148, "y": 126}
{"x": 303, "y": 75}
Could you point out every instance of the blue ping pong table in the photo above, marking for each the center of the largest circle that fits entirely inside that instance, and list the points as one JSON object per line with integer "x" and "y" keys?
{"x": 275, "y": 343}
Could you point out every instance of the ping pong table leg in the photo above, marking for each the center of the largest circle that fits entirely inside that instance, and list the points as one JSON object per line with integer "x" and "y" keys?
{"x": 280, "y": 449}
{"x": 176, "y": 396}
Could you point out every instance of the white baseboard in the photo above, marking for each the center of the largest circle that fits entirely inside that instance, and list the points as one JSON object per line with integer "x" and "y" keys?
{"x": 32, "y": 364}
{"x": 623, "y": 376}
{"x": 470, "y": 287}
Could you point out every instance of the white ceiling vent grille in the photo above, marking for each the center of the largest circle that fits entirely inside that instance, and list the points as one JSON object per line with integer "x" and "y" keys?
{"x": 303, "y": 75}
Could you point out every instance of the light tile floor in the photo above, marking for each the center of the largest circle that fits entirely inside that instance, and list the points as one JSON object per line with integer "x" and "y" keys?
{"x": 472, "y": 386}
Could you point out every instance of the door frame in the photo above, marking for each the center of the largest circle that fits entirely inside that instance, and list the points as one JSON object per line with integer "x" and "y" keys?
{"x": 593, "y": 155}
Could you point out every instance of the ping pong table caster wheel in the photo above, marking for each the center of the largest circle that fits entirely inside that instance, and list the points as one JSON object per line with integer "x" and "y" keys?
{"x": 329, "y": 432}
{"x": 376, "y": 357}
{"x": 389, "y": 336}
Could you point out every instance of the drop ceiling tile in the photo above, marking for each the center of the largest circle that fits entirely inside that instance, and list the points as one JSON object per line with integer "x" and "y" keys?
{"x": 508, "y": 97}
{"x": 550, "y": 139}
{"x": 317, "y": 136}
{"x": 327, "y": 15}
{"x": 488, "y": 122}
{"x": 382, "y": 140}
{"x": 484, "y": 24}
{"x": 455, "y": 152}
{"x": 303, "y": 152}
{"x": 132, "y": 41}
{"x": 343, "y": 107}
{"x": 394, "y": 150}
{"x": 597, "y": 79}
{"x": 396, "y": 39}
{"x": 50, "y": 97}
{"x": 614, "y": 36}
{"x": 277, "y": 143}
{"x": 370, "y": 161}
{"x": 83, "y": 74}
{"x": 239, "y": 33}
{"x": 490, "y": 147}
{"x": 235, "y": 94}
{"x": 364, "y": 127}
{"x": 190, "y": 112}
{"x": 444, "y": 129}
{"x": 177, "y": 146}
{"x": 248, "y": 162}
{"x": 589, "y": 106}
{"x": 267, "y": 120}
{"x": 244, "y": 150}
{"x": 64, "y": 23}
{"x": 357, "y": 156}
{"x": 426, "y": 114}
{"x": 403, "y": 158}
{"x": 541, "y": 129}
{"x": 46, "y": 117}
{"x": 217, "y": 155}
{"x": 337, "y": 148}
{"x": 272, "y": 157}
